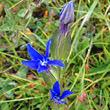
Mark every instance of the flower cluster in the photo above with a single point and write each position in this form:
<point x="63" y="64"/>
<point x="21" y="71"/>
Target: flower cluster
<point x="42" y="63"/>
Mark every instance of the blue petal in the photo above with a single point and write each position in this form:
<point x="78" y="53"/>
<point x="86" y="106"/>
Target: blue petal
<point x="33" y="53"/>
<point x="62" y="102"/>
<point x="48" y="48"/>
<point x="31" y="63"/>
<point x="56" y="63"/>
<point x="42" y="68"/>
<point x="52" y="94"/>
<point x="67" y="15"/>
<point x="63" y="9"/>
<point x="65" y="94"/>
<point x="56" y="88"/>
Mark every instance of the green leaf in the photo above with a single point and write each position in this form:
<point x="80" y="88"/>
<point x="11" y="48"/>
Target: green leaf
<point x="54" y="71"/>
<point x="6" y="86"/>
<point x="24" y="108"/>
<point x="99" y="69"/>
<point x="46" y="1"/>
<point x="17" y="27"/>
<point x="1" y="81"/>
<point x="9" y="18"/>
<point x="61" y="45"/>
<point x="6" y="27"/>
<point x="4" y="106"/>
<point x="65" y="45"/>
<point x="107" y="54"/>
<point x="22" y="72"/>
<point x="49" y="79"/>
<point x="22" y="13"/>
<point x="83" y="44"/>
<point x="39" y="105"/>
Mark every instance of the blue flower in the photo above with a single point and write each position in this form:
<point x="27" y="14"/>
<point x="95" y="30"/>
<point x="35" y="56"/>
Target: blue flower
<point x="40" y="62"/>
<point x="55" y="94"/>
<point x="66" y="17"/>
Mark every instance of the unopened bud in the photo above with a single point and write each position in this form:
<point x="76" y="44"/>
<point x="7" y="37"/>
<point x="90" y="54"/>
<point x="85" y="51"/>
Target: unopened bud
<point x="31" y="85"/>
<point x="80" y="99"/>
<point x="52" y="13"/>
<point x="46" y="13"/>
<point x="43" y="83"/>
<point x="84" y="95"/>
<point x="87" y="67"/>
<point x="66" y="107"/>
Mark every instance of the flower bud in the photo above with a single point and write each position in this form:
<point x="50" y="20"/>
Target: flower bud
<point x="43" y="83"/>
<point x="66" y="107"/>
<point x="66" y="17"/>
<point x="46" y="14"/>
<point x="87" y="67"/>
<point x="52" y="13"/>
<point x="31" y="85"/>
<point x="84" y="95"/>
<point x="80" y="99"/>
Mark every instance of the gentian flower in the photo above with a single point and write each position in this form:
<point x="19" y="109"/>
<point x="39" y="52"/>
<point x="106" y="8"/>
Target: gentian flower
<point x="66" y="17"/>
<point x="55" y="94"/>
<point x="40" y="62"/>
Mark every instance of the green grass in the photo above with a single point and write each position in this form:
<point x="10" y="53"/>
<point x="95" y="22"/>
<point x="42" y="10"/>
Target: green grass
<point x="90" y="46"/>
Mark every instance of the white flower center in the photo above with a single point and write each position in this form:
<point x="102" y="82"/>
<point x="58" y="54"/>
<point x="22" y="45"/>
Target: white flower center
<point x="43" y="63"/>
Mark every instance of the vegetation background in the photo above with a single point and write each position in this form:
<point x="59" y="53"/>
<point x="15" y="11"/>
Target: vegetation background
<point x="88" y="64"/>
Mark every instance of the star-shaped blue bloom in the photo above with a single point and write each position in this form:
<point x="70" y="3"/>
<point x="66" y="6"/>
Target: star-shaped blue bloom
<point x="40" y="62"/>
<point x="55" y="94"/>
<point x="66" y="17"/>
